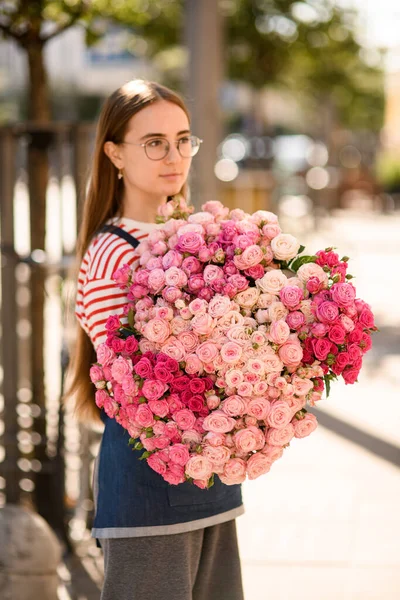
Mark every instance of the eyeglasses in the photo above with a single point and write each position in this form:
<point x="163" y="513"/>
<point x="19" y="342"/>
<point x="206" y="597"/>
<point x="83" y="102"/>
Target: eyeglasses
<point x="159" y="148"/>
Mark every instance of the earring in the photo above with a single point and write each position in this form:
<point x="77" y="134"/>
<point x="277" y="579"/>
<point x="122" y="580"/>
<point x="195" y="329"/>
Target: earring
<point x="120" y="174"/>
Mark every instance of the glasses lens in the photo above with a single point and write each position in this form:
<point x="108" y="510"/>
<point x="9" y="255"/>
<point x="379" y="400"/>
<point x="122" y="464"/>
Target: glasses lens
<point x="157" y="149"/>
<point x="189" y="146"/>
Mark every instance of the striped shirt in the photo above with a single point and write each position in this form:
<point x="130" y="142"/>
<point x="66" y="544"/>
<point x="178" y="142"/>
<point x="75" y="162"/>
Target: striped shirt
<point x="98" y="296"/>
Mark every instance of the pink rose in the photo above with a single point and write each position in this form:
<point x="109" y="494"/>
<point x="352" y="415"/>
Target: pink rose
<point x="218" y="422"/>
<point x="327" y="311"/>
<point x="285" y="246"/>
<point x="290" y="354"/>
<point x="172" y="259"/>
<point x="157" y="464"/>
<point x="153" y="389"/>
<point x="291" y="296"/>
<point x="319" y="330"/>
<point x="343" y="294"/>
<point x="202" y="324"/>
<point x="96" y="374"/>
<point x="233" y="406"/>
<point x="259" y="408"/>
<point x="279" y="332"/>
<point x="251" y="256"/>
<point x="190" y="242"/>
<point x="191" y="265"/>
<point x="144" y="416"/>
<point x="257" y="465"/>
<point x="198" y="467"/>
<point x="184" y="418"/>
<point x="305" y="426"/>
<point x="144" y="368"/>
<point x="105" y="355"/>
<point x="219" y="305"/>
<point x="171" y="294"/>
<point x="280" y="437"/>
<point x="272" y="282"/>
<point x="280" y="414"/>
<point x="249" y="439"/>
<point x="207" y="351"/>
<point x="101" y="396"/>
<point x="174" y="349"/>
<point x="301" y="387"/>
<point x="179" y="454"/>
<point x="295" y="320"/>
<point x="156" y="280"/>
<point x="157" y="331"/>
<point x="321" y="348"/>
<point x="212" y="272"/>
<point x="272" y="452"/>
<point x="120" y="368"/>
<point x="311" y="270"/>
<point x="231" y="352"/>
<point x="193" y="365"/>
<point x="234" y="471"/>
<point x="350" y="375"/>
<point x="366" y="318"/>
<point x="218" y="455"/>
<point x="337" y="333"/>
<point x="113" y="323"/>
<point x="175" y="277"/>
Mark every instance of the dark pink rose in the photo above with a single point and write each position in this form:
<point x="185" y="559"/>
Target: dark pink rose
<point x="239" y="281"/>
<point x="337" y="334"/>
<point x="137" y="291"/>
<point x="255" y="272"/>
<point x="118" y="345"/>
<point x="318" y="384"/>
<point x="321" y="348"/>
<point x="205" y="294"/>
<point x="366" y="318"/>
<point x="314" y="285"/>
<point x="355" y="336"/>
<point x="365" y="343"/>
<point x="174" y="403"/>
<point x="191" y="265"/>
<point x="142" y="277"/>
<point x="332" y="259"/>
<point x="319" y="330"/>
<point x="144" y="368"/>
<point x="197" y="385"/>
<point x="163" y="373"/>
<point x="196" y="283"/>
<point x="342" y="359"/>
<point x="327" y="312"/>
<point x="131" y="345"/>
<point x="153" y="389"/>
<point x="350" y="375"/>
<point x="157" y="464"/>
<point x="340" y="270"/>
<point x="180" y="383"/>
<point x="190" y="242"/>
<point x="322" y="256"/>
<point x="113" y="323"/>
<point x="354" y="352"/>
<point x="196" y="403"/>
<point x="230" y="268"/>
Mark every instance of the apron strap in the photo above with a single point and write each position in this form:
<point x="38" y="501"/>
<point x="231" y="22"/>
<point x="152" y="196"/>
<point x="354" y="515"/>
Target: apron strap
<point x="121" y="233"/>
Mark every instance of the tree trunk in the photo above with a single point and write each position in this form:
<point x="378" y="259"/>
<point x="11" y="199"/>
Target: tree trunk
<point x="48" y="494"/>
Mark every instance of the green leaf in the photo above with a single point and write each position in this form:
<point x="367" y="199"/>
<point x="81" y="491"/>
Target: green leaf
<point x="210" y="482"/>
<point x="131" y="318"/>
<point x="302" y="260"/>
<point x="301" y="249"/>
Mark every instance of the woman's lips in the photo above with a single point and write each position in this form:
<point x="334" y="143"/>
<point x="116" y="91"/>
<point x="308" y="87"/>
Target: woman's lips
<point x="172" y="175"/>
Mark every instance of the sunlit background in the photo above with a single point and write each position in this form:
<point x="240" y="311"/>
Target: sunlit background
<point x="304" y="121"/>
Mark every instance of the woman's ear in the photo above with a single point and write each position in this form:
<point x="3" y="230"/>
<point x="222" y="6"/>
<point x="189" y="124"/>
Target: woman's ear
<point x="114" y="154"/>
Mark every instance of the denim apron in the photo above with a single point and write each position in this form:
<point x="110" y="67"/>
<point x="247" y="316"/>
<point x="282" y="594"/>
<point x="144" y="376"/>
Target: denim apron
<point x="130" y="495"/>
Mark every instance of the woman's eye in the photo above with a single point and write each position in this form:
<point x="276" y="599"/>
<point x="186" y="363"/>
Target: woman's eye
<point x="155" y="143"/>
<point x="184" y="140"/>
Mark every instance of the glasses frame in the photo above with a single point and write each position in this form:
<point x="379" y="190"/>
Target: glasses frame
<point x="144" y="145"/>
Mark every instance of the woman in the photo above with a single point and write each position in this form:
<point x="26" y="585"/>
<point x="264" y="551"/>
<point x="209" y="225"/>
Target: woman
<point x="159" y="541"/>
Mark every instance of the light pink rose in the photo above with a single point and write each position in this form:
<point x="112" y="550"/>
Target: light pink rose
<point x="184" y="418"/>
<point x="233" y="378"/>
<point x="248" y="298"/>
<point x="189" y="340"/>
<point x="218" y="455"/>
<point x="212" y="272"/>
<point x="215" y="439"/>
<point x="259" y="408"/>
<point x="233" y="406"/>
<point x="213" y="402"/>
<point x="174" y="349"/>
<point x="266" y="299"/>
<point x="120" y="368"/>
<point x="105" y="355"/>
<point x="295" y="319"/>
<point x="191" y="437"/>
<point x="219" y="305"/>
<point x="310" y="270"/>
<point x="301" y="386"/>
<point x="174" y="276"/>
<point x="277" y="312"/>
<point x="291" y="296"/>
<point x="279" y="332"/>
<point x="190" y="228"/>
<point x="245" y="389"/>
<point x="199" y="467"/>
<point x="260" y="387"/>
<point x="285" y="246"/>
<point x="179" y="454"/>
<point x="97" y="376"/>
<point x="251" y="256"/>
<point x="157" y="330"/>
<point x="193" y="365"/>
<point x="189" y="242"/>
<point x="207" y="351"/>
<point x="347" y="323"/>
<point x="280" y="437"/>
<point x="291" y="354"/>
<point x="198" y="306"/>
<point x="273" y="363"/>
<point x="272" y="452"/>
<point x="305" y="426"/>
<point x="254" y="367"/>
<point x="231" y="352"/>
<point x="159" y="407"/>
<point x="218" y="422"/>
<point x="172" y="259"/>
<point x="202" y="324"/>
<point x="129" y="385"/>
<point x="249" y="439"/>
<point x="216" y="208"/>
<point x="234" y="471"/>
<point x="280" y="414"/>
<point x="171" y="294"/>
<point x="257" y="465"/>
<point x="271" y="230"/>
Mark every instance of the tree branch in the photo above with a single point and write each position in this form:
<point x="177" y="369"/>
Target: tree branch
<point x="7" y="30"/>
<point x="62" y="28"/>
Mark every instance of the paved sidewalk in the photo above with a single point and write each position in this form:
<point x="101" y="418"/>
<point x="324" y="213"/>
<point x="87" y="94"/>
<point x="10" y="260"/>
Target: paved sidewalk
<point x="324" y="524"/>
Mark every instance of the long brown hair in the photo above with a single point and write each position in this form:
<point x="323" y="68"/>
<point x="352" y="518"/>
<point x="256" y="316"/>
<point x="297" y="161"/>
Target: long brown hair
<point x="103" y="200"/>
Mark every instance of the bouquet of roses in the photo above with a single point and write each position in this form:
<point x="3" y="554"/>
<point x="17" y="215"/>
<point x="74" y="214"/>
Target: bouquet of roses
<point x="230" y="332"/>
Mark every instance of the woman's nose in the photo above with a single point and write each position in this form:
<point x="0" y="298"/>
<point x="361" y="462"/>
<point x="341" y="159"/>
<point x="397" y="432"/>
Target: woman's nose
<point x="173" y="154"/>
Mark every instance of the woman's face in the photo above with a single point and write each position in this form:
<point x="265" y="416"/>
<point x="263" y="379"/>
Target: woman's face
<point x="158" y="178"/>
